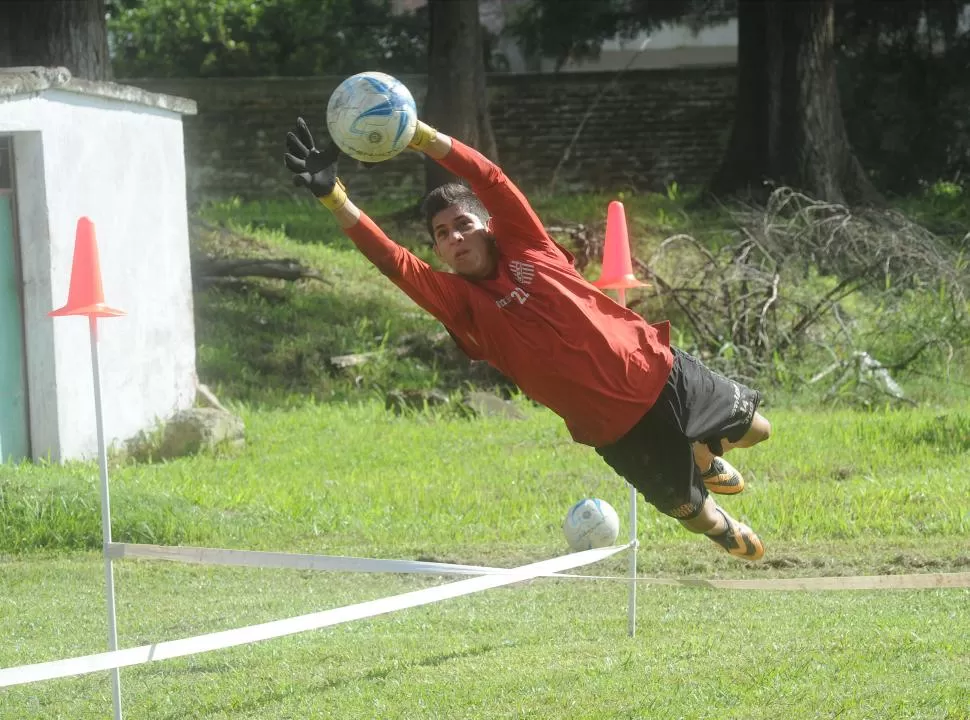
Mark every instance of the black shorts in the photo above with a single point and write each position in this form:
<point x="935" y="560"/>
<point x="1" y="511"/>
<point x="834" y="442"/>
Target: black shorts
<point x="656" y="456"/>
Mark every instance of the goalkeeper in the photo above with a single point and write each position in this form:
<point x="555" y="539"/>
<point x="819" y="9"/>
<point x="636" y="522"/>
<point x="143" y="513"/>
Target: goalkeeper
<point x="656" y="415"/>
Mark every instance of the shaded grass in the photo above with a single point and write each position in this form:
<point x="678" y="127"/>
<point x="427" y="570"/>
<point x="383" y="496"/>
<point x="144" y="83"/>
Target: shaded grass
<point x="268" y="351"/>
<point x="272" y="340"/>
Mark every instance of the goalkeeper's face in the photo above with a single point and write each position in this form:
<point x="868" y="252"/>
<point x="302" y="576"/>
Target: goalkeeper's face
<point x="463" y="242"/>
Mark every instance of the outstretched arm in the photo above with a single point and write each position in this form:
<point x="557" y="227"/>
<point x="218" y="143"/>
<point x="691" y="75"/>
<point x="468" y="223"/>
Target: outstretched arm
<point x="438" y="293"/>
<point x="512" y="215"/>
<point x="436" y="145"/>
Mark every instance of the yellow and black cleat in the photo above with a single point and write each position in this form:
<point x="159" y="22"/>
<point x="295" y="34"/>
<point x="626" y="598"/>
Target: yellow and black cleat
<point x="722" y="478"/>
<point x="739" y="540"/>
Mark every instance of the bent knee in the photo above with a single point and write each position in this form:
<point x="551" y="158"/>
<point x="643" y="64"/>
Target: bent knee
<point x="759" y="431"/>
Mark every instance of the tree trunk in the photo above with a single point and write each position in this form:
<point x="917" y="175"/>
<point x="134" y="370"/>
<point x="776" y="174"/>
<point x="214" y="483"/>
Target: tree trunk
<point x="457" y="103"/>
<point x="789" y="128"/>
<point x="68" y="33"/>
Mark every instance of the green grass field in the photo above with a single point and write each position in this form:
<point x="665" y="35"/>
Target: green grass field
<point x="327" y="470"/>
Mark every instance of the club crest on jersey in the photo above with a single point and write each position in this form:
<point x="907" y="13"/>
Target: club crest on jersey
<point x="523" y="272"/>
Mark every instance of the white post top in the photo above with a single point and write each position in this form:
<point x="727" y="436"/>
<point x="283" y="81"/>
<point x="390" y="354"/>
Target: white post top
<point x="17" y="81"/>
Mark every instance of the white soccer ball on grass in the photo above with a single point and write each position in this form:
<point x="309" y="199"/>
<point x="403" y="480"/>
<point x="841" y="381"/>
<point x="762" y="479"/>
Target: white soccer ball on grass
<point x="591" y="523"/>
<point x="371" y="116"/>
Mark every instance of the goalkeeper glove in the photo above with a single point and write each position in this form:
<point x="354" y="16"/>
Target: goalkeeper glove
<point x="314" y="169"/>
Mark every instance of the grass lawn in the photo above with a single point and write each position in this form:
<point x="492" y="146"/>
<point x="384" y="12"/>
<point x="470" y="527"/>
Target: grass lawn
<point x="494" y="492"/>
<point x="327" y="470"/>
<point x="550" y="649"/>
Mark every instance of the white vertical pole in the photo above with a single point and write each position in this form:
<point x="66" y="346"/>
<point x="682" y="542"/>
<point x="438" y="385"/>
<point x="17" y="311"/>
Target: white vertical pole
<point x="105" y="517"/>
<point x="632" y="610"/>
<point x="632" y="598"/>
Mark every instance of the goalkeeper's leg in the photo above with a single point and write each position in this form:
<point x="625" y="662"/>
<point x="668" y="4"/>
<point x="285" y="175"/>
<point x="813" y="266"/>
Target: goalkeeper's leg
<point x="719" y="475"/>
<point x="735" y="537"/>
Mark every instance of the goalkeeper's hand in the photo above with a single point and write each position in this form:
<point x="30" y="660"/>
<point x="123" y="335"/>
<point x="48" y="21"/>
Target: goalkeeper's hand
<point x="424" y="135"/>
<point x="314" y="169"/>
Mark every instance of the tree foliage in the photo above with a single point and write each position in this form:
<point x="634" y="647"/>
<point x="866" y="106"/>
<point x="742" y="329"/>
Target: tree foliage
<point x="910" y="27"/>
<point x="246" y="38"/>
<point x="576" y="29"/>
<point x="902" y="70"/>
<point x="905" y="89"/>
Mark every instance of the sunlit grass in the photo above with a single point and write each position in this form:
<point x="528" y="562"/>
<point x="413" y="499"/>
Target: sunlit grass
<point x="355" y="478"/>
<point x="547" y="649"/>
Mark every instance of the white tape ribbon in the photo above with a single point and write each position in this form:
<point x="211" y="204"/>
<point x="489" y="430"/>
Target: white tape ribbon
<point x="290" y="561"/>
<point x="279" y="628"/>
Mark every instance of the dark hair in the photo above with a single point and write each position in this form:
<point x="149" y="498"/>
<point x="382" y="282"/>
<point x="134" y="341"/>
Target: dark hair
<point x="448" y="195"/>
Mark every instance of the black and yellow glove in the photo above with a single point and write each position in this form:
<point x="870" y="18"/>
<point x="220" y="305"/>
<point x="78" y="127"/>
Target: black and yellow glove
<point x="314" y="169"/>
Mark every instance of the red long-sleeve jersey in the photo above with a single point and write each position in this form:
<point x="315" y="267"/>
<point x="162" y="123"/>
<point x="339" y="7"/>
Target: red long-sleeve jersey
<point x="562" y="341"/>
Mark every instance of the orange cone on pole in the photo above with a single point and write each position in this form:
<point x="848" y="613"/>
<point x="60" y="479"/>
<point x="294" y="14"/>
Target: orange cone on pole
<point x="86" y="295"/>
<point x="617" y="271"/>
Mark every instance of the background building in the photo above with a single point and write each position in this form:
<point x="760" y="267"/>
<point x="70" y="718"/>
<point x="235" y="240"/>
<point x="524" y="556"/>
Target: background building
<point x="71" y="148"/>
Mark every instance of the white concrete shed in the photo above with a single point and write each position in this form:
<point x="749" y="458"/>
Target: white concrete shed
<point x="71" y="148"/>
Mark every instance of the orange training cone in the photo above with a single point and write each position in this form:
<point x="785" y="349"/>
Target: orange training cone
<point x="617" y="268"/>
<point x="86" y="296"/>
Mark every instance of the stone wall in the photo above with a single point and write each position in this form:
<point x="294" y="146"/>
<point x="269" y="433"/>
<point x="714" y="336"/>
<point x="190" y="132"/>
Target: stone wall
<point x="648" y="128"/>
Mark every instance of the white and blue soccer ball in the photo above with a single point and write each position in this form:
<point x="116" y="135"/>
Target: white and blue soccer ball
<point x="371" y="116"/>
<point x="591" y="523"/>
